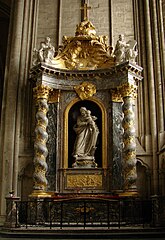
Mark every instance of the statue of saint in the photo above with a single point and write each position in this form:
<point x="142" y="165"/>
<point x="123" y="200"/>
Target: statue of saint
<point x="85" y="143"/>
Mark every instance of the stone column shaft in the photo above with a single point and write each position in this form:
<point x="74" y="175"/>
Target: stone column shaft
<point x="10" y="131"/>
<point x="129" y="151"/>
<point x="157" y="66"/>
<point x="152" y="94"/>
<point x="41" y="94"/>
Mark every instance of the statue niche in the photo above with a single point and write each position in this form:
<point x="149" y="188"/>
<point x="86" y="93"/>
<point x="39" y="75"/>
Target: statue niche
<point x="84" y="135"/>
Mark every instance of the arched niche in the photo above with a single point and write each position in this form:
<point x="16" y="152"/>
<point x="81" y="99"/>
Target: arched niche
<point x="71" y="113"/>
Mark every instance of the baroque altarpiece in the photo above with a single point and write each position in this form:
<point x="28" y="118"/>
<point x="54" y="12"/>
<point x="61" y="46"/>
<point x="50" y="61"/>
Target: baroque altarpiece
<point x="85" y="130"/>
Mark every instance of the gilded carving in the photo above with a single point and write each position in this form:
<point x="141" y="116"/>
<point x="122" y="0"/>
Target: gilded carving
<point x="116" y="95"/>
<point x="83" y="181"/>
<point x="41" y="92"/>
<point x="128" y="90"/>
<point x="85" y="90"/>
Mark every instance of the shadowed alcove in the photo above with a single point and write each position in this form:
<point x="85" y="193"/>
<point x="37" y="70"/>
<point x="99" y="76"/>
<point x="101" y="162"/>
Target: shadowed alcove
<point x="72" y="118"/>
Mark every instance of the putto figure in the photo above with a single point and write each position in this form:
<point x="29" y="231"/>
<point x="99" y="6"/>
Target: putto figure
<point x="85" y="143"/>
<point x="125" y="51"/>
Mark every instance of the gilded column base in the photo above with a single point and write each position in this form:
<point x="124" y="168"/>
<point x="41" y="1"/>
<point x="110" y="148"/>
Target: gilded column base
<point x="129" y="194"/>
<point x="40" y="194"/>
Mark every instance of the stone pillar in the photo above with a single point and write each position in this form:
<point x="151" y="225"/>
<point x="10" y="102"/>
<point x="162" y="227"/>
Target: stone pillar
<point x="41" y="94"/>
<point x="128" y="93"/>
<point x="13" y="139"/>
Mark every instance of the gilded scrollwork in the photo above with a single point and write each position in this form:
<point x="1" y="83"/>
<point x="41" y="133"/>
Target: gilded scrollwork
<point x="84" y="51"/>
<point x="85" y="90"/>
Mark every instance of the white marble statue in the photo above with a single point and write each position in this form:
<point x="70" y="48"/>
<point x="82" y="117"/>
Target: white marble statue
<point x="87" y="133"/>
<point x="125" y="51"/>
<point x="45" y="53"/>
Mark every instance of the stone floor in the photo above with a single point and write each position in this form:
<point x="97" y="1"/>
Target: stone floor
<point x="38" y="233"/>
<point x="137" y="237"/>
<point x="121" y="236"/>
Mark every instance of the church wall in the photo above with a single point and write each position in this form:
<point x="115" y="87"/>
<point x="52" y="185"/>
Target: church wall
<point x="70" y="16"/>
<point x="48" y="20"/>
<point x="13" y="98"/>
<point x="102" y="23"/>
<point x="122" y="19"/>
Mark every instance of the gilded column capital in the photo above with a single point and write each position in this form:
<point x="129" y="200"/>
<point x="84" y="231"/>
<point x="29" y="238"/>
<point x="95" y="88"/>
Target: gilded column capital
<point x="128" y="90"/>
<point x="41" y="92"/>
<point x="85" y="90"/>
<point x="116" y="95"/>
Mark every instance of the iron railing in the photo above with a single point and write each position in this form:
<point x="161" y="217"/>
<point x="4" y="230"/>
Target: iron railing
<point x="83" y="212"/>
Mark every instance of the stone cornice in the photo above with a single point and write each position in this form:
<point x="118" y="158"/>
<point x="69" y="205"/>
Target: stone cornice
<point x="113" y="73"/>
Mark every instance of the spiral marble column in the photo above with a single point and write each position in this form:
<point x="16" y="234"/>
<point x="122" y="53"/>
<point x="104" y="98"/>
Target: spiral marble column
<point x="128" y="93"/>
<point x="41" y="94"/>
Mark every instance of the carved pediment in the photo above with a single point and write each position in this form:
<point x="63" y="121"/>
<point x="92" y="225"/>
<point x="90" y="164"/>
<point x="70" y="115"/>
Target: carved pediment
<point x="84" y="51"/>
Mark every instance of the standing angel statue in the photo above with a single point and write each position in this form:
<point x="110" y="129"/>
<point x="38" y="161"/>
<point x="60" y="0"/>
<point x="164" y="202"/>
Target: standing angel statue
<point x="125" y="51"/>
<point x="45" y="53"/>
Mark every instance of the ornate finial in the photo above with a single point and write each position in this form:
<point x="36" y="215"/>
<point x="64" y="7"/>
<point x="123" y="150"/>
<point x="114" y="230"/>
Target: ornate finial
<point x="85" y="9"/>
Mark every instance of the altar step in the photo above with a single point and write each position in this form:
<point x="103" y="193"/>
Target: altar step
<point x="79" y="233"/>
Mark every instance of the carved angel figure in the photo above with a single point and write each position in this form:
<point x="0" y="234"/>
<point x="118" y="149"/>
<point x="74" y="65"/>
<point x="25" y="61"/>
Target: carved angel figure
<point x="125" y="51"/>
<point x="45" y="53"/>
